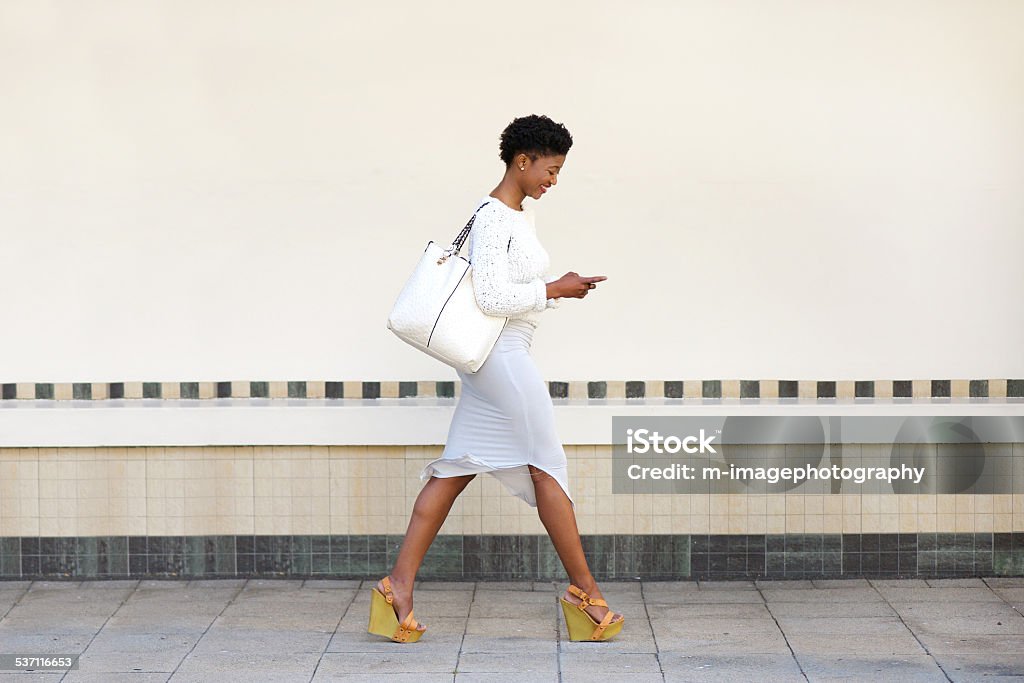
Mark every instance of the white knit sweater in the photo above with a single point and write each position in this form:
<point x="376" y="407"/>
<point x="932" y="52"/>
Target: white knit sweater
<point x="509" y="283"/>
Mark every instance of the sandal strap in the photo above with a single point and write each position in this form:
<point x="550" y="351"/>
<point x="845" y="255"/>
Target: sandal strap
<point x="387" y="590"/>
<point x="406" y="628"/>
<point x="585" y="599"/>
<point x="602" y="626"/>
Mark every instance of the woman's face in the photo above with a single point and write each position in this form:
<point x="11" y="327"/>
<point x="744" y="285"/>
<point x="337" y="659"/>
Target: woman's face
<point x="537" y="176"/>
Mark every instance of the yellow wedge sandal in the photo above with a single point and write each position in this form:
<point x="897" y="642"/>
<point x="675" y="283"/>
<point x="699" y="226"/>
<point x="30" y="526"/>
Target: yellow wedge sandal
<point x="579" y="622"/>
<point x="384" y="621"/>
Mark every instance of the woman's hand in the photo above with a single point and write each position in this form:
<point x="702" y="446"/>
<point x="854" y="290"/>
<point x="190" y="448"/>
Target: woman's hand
<point x="573" y="285"/>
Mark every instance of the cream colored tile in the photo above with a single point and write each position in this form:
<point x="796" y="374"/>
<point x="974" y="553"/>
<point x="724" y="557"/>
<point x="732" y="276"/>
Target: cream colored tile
<point x="846" y="389"/>
<point x="693" y="388"/>
<point x="133" y="390"/>
<point x="578" y="391"/>
<point x="769" y="388"/>
<point x="997" y="388"/>
<point x="807" y="388"/>
<point x="317" y="389"/>
<point x="730" y="388"/>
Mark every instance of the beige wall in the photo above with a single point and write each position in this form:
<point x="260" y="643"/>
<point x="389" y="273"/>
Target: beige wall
<point x="229" y="190"/>
<point x="371" y="489"/>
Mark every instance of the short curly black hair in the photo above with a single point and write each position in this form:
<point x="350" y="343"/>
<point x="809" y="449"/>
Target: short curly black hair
<point x="534" y="135"/>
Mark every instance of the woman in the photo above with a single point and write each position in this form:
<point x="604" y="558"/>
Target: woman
<point x="504" y="421"/>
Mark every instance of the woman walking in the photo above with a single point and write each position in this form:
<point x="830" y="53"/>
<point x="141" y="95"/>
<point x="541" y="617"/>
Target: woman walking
<point x="504" y="420"/>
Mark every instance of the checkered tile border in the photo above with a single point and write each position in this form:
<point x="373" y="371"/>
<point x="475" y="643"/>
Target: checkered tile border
<point x="600" y="389"/>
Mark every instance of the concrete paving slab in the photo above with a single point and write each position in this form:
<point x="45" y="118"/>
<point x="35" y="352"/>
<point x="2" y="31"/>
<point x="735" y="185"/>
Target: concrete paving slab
<point x="163" y="584"/>
<point x="279" y="622"/>
<point x="988" y="666"/>
<point x="903" y="668"/>
<point x="505" y="662"/>
<point x="513" y="607"/>
<point x="610" y="663"/>
<point x="583" y="677"/>
<point x="220" y="666"/>
<point x="30" y="642"/>
<point x="768" y="643"/>
<point x="956" y="610"/>
<point x="39" y="586"/>
<point x="503" y="678"/>
<point x="738" y="610"/>
<point x="829" y="609"/>
<point x="529" y="646"/>
<point x="829" y="644"/>
<point x="243" y="675"/>
<point x="333" y="584"/>
<point x="852" y="626"/>
<point x="951" y="594"/>
<point x="433" y="585"/>
<point x="857" y="595"/>
<point x="79" y="676"/>
<point x="840" y="583"/>
<point x="777" y="584"/>
<point x="396" y="678"/>
<point x="14" y="585"/>
<point x="899" y="583"/>
<point x="956" y="583"/>
<point x="702" y="667"/>
<point x="683" y="630"/>
<point x="983" y="645"/>
<point x="223" y="640"/>
<point x="711" y="626"/>
<point x="994" y="626"/>
<point x="519" y="627"/>
<point x="129" y="653"/>
<point x="424" y="660"/>
<point x="726" y="585"/>
<point x="1014" y="596"/>
<point x="221" y="584"/>
<point x="703" y="597"/>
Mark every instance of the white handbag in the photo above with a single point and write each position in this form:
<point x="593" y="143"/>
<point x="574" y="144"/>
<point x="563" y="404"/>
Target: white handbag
<point x="437" y="312"/>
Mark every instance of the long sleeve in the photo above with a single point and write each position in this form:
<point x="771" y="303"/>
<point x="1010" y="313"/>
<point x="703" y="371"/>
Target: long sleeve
<point x="551" y="303"/>
<point x="496" y="292"/>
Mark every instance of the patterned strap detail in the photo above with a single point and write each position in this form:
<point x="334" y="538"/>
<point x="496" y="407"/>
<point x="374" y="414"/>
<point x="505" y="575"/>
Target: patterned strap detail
<point x="596" y="635"/>
<point x="585" y="599"/>
<point x="406" y="628"/>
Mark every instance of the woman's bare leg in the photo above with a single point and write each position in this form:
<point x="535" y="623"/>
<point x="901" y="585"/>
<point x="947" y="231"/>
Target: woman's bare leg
<point x="557" y="516"/>
<point x="432" y="506"/>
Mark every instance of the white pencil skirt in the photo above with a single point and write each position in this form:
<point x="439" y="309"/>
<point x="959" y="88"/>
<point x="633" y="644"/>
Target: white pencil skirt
<point x="504" y="420"/>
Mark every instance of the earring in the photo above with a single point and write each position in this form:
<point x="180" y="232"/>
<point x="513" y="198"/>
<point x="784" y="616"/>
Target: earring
<point x="522" y="168"/>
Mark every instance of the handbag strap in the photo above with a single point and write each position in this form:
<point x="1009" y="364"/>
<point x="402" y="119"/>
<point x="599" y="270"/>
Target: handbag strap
<point x="464" y="234"/>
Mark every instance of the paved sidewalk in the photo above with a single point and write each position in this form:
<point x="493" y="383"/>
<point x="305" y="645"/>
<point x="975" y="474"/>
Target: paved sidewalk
<point x="238" y="630"/>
